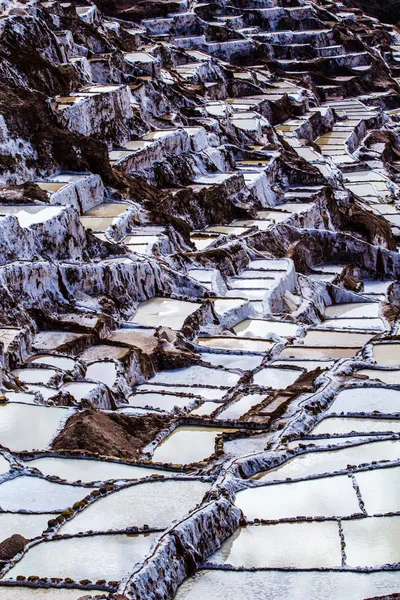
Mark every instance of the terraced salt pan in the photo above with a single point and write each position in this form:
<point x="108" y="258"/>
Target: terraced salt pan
<point x="165" y="402"/>
<point x="205" y="409"/>
<point x="51" y="340"/>
<point x="300" y="545"/>
<point x="313" y="463"/>
<point x="308" y="365"/>
<point x="155" y="504"/>
<point x="207" y="393"/>
<point x="235" y="343"/>
<point x="28" y="427"/>
<point x="278" y="585"/>
<point x="368" y="324"/>
<point x="384" y="532"/>
<point x="104" y="372"/>
<point x="28" y="593"/>
<point x="389" y="377"/>
<point x="80" y="469"/>
<point x="60" y="362"/>
<point x="353" y="310"/>
<point x="368" y="400"/>
<point x="325" y="497"/>
<point x="276" y="378"/>
<point x="232" y="361"/>
<point x="79" y="389"/>
<point x="109" y="557"/>
<point x="380" y="489"/>
<point x="261" y="328"/>
<point x="242" y="406"/>
<point x="387" y="355"/>
<point x="188" y="444"/>
<point x="141" y="338"/>
<point x="37" y="494"/>
<point x="318" y="337"/>
<point x="34" y="375"/>
<point x="339" y="426"/>
<point x="318" y="353"/>
<point x="29" y="526"/>
<point x="4" y="464"/>
<point x="108" y="209"/>
<point x="197" y="375"/>
<point x="165" y="312"/>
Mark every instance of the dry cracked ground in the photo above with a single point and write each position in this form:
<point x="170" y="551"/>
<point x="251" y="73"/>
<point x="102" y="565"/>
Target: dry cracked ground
<point x="199" y="300"/>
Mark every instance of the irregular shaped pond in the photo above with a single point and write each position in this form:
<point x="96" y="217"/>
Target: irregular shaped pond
<point x="28" y="593"/>
<point x="105" y="372"/>
<point x="165" y="312"/>
<point x="242" y="406"/>
<point x="318" y="337"/>
<point x="313" y="463"/>
<point x="156" y="504"/>
<point x="81" y="469"/>
<point x="380" y="490"/>
<point x="165" y="402"/>
<point x="260" y="328"/>
<point x="234" y="343"/>
<point x="188" y="444"/>
<point x="339" y="426"/>
<point x="299" y="545"/>
<point x="109" y="557"/>
<point x="26" y="427"/>
<point x="385" y="549"/>
<point x="325" y="497"/>
<point x="60" y="362"/>
<point x="34" y="375"/>
<point x="353" y="310"/>
<point x="276" y="378"/>
<point x="244" y="362"/>
<point x="37" y="494"/>
<point x="196" y="375"/>
<point x="29" y="526"/>
<point x="389" y="377"/>
<point x="387" y="355"/>
<point x="278" y="585"/>
<point x="368" y="400"/>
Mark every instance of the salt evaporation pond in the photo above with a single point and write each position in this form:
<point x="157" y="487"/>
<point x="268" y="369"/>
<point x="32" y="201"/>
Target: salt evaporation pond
<point x="196" y="375"/>
<point x="29" y="526"/>
<point x="208" y="393"/>
<point x="262" y="328"/>
<point x="353" y="310"/>
<point x="236" y="343"/>
<point x="81" y="469"/>
<point x="37" y="494"/>
<point x="347" y="425"/>
<point x="278" y="585"/>
<point x="242" y="406"/>
<point x="34" y="375"/>
<point x="299" y="545"/>
<point x="244" y="362"/>
<point x="384" y="532"/>
<point x="368" y="400"/>
<point x="109" y="557"/>
<point x="319" y="352"/>
<point x="105" y="372"/>
<point x="4" y="464"/>
<point x="325" y="497"/>
<point x="28" y="593"/>
<point x="166" y="402"/>
<point x="79" y="389"/>
<point x="314" y="463"/>
<point x="387" y="355"/>
<point x="60" y="362"/>
<point x="388" y="377"/>
<point x="380" y="490"/>
<point x="156" y="504"/>
<point x="26" y="427"/>
<point x="360" y="324"/>
<point x="165" y="312"/>
<point x="187" y="444"/>
<point x="344" y="339"/>
<point x="276" y="378"/>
